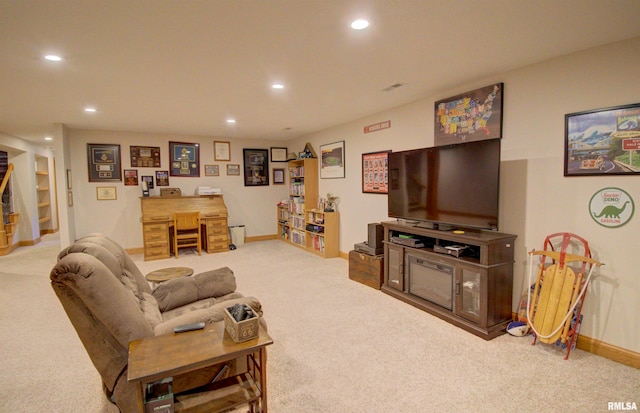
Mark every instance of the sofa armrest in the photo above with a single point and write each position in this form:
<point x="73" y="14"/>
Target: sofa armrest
<point x="208" y="315"/>
<point x="185" y="290"/>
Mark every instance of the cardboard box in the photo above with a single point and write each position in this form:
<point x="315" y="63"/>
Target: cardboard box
<point x="244" y="330"/>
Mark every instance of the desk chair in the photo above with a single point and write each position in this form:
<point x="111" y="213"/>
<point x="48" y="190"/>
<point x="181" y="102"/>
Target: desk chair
<point x="186" y="231"/>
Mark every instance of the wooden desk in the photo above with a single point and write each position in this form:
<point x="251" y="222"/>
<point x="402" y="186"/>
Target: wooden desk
<point x="154" y="358"/>
<point x="157" y="217"/>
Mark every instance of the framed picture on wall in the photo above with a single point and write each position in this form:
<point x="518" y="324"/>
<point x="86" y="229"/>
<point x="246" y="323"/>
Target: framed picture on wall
<point x="211" y="170"/>
<point x="145" y="156"/>
<point x="104" y="162"/>
<point x="131" y="177"/>
<point x="256" y="167"/>
<point x="375" y="172"/>
<point x="106" y="193"/>
<point x="470" y="116"/>
<point x="278" y="176"/>
<point x="162" y="178"/>
<point x="603" y="141"/>
<point x="185" y="159"/>
<point x="278" y="154"/>
<point x="332" y="160"/>
<point x="233" y="169"/>
<point x="149" y="180"/>
<point x="221" y="151"/>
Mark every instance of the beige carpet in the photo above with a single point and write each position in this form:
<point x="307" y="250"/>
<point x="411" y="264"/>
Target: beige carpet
<point x="339" y="346"/>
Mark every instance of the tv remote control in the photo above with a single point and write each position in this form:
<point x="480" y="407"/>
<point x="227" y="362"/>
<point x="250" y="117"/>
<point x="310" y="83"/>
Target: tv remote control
<point x="188" y="327"/>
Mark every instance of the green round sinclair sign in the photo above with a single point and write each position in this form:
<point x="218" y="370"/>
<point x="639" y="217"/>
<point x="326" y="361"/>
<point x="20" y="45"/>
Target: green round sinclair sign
<point x="611" y="207"/>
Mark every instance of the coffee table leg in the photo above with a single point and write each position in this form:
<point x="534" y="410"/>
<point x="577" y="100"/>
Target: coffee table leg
<point x="140" y="396"/>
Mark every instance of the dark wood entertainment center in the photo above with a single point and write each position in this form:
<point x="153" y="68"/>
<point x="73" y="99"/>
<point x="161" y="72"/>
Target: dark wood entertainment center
<point x="419" y="269"/>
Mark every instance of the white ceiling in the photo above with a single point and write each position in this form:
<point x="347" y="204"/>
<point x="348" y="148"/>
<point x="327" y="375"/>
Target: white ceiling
<point x="185" y="66"/>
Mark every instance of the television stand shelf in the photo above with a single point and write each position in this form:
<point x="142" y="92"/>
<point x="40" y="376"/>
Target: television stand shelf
<point x="470" y="287"/>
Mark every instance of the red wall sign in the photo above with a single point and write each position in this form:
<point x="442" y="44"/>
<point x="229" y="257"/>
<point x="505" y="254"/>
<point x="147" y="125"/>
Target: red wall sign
<point x="377" y="126"/>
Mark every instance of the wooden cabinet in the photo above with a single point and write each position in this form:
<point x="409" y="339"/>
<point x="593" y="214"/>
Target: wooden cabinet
<point x="298" y="219"/>
<point x="156" y="240"/>
<point x="217" y="234"/>
<point x="157" y="218"/>
<point x="471" y="290"/>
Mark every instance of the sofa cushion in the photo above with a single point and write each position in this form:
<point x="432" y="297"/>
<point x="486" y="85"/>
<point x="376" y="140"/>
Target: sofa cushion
<point x="181" y="291"/>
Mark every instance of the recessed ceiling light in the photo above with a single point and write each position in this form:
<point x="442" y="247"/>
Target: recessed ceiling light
<point x="359" y="24"/>
<point x="48" y="138"/>
<point x="90" y="109"/>
<point x="53" y="58"/>
<point x="277" y="86"/>
<point x="231" y="121"/>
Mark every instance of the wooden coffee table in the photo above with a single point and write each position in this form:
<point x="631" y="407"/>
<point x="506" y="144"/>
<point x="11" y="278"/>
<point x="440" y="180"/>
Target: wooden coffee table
<point x="155" y="358"/>
<point x="169" y="273"/>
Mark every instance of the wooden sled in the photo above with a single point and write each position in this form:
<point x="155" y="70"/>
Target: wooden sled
<point x="555" y="306"/>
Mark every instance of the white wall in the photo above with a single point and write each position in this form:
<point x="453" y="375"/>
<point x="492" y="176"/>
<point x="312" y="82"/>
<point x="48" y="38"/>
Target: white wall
<point x="254" y="207"/>
<point x="536" y="199"/>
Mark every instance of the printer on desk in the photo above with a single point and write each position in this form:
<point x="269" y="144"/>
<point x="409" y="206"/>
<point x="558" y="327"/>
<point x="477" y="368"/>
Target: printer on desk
<point x="207" y="190"/>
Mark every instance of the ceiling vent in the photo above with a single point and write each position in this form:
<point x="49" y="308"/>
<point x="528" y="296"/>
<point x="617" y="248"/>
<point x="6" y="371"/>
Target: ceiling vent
<point x="392" y="87"/>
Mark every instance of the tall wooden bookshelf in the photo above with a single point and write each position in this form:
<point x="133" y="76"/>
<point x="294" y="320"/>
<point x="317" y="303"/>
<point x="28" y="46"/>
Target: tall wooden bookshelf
<point x="44" y="195"/>
<point x="299" y="220"/>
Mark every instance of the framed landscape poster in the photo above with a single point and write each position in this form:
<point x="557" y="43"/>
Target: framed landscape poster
<point x="256" y="167"/>
<point x="332" y="160"/>
<point x="603" y="142"/>
<point x="104" y="162"/>
<point x="470" y="116"/>
<point x="375" y="172"/>
<point x="185" y="159"/>
<point x="145" y="156"/>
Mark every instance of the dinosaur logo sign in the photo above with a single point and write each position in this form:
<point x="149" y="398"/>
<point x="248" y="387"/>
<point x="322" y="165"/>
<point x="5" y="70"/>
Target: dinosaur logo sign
<point x="611" y="207"/>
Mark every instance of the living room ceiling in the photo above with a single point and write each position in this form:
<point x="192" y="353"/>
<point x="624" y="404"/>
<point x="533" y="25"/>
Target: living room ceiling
<point x="185" y="67"/>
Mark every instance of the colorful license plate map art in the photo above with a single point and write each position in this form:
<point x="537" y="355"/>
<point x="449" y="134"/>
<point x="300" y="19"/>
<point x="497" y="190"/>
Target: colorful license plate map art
<point x="471" y="116"/>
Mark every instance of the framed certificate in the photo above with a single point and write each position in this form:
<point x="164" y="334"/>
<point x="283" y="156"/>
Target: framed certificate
<point x="221" y="151"/>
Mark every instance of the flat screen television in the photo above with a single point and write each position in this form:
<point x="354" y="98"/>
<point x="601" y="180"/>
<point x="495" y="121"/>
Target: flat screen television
<point x="447" y="186"/>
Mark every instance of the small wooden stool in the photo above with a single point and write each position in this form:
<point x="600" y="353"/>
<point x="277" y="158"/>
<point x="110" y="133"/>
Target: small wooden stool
<point x="169" y="273"/>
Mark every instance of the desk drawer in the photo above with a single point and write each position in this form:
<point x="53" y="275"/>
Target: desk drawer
<point x="156" y="253"/>
<point x="217" y="223"/>
<point x="218" y="246"/>
<point x="155" y="227"/>
<point x="217" y="230"/>
<point x="155" y="237"/>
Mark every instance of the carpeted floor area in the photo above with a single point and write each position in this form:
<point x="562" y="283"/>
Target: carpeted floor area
<point x="339" y="346"/>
